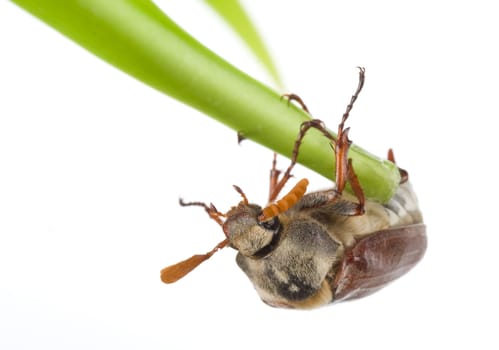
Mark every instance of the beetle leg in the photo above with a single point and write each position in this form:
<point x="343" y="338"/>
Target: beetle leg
<point x="344" y="173"/>
<point x="274" y="177"/>
<point x="341" y="154"/>
<point x="241" y="192"/>
<point x="342" y="144"/>
<point x="404" y="175"/>
<point x="305" y="126"/>
<point x="294" y="97"/>
<point x="344" y="169"/>
<point x="210" y="209"/>
<point x="391" y="156"/>
<point x="357" y="189"/>
<point x="276" y="185"/>
<point x="362" y="79"/>
<point x="240" y="137"/>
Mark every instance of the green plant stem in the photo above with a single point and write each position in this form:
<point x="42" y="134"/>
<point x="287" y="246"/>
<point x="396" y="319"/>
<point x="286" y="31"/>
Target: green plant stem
<point x="138" y="38"/>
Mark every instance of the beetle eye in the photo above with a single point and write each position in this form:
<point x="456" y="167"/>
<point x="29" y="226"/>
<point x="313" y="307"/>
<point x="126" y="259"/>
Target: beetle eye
<point x="272" y="224"/>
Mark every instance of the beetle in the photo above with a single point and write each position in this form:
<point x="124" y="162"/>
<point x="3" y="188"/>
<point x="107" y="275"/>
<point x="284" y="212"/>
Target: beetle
<point x="312" y="249"/>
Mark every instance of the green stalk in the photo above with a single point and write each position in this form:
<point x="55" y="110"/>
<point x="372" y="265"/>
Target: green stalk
<point x="138" y="38"/>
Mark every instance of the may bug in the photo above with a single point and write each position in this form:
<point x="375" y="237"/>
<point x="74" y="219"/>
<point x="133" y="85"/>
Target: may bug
<point x="308" y="250"/>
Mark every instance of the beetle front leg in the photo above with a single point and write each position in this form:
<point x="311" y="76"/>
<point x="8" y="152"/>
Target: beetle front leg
<point x="294" y="97"/>
<point x="305" y="126"/>
<point x="276" y="185"/>
<point x="333" y="198"/>
<point x="344" y="169"/>
<point x="210" y="210"/>
<point x="274" y="178"/>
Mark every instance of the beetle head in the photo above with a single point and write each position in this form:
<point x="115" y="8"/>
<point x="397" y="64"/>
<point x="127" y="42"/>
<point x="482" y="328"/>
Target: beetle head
<point x="249" y="229"/>
<point x="250" y="236"/>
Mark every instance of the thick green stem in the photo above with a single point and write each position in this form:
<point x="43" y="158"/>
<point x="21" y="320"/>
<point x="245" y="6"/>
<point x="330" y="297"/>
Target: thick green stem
<point x="137" y="37"/>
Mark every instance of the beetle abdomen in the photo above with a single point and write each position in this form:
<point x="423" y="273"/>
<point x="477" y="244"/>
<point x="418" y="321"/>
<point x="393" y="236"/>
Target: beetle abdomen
<point x="403" y="208"/>
<point x="379" y="259"/>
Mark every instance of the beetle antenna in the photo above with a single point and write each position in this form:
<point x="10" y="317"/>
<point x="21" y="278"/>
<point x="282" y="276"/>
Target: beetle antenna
<point x="175" y="272"/>
<point x="286" y="202"/>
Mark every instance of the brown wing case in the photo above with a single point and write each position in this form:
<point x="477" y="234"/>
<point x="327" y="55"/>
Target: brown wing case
<point x="378" y="259"/>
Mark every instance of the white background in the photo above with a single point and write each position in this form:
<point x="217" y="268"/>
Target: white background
<point x="92" y="164"/>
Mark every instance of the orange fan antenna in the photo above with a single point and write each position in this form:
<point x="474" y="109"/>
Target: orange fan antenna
<point x="175" y="272"/>
<point x="286" y="202"/>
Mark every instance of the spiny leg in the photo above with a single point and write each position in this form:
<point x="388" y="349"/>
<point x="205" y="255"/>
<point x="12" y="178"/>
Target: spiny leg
<point x="333" y="197"/>
<point x="357" y="190"/>
<point x="305" y="126"/>
<point x="210" y="209"/>
<point x="404" y="175"/>
<point x="362" y="79"/>
<point x="240" y="137"/>
<point x="275" y="185"/>
<point x="344" y="169"/>
<point x="241" y="192"/>
<point x="274" y="177"/>
<point x="294" y="97"/>
<point x="343" y="143"/>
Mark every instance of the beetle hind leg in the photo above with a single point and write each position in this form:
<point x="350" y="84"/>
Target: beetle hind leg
<point x="404" y="175"/>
